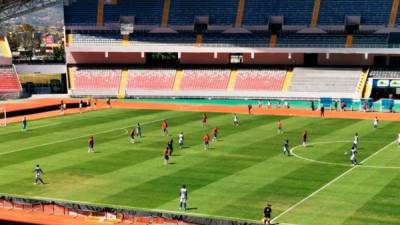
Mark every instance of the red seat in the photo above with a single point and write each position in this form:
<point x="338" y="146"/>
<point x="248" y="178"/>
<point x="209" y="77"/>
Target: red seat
<point x="205" y="79"/>
<point x="9" y="81"/>
<point x="151" y="79"/>
<point x="91" y="79"/>
<point x="260" y="80"/>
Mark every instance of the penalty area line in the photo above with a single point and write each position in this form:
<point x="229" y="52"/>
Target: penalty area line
<point x="331" y="182"/>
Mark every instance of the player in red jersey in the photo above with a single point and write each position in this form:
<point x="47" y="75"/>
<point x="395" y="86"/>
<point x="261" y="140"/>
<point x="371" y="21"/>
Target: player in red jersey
<point x="280" y="127"/>
<point x="206" y="140"/>
<point x="166" y="155"/>
<point x="164" y="127"/>
<point x="132" y="136"/>
<point x="91" y="145"/>
<point x="305" y="134"/>
<point x="215" y="134"/>
<point x="204" y="120"/>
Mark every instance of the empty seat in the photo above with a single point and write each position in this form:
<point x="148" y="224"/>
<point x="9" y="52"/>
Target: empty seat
<point x="183" y="12"/>
<point x="97" y="79"/>
<point x="205" y="79"/>
<point x="9" y="80"/>
<point x="295" y="12"/>
<point x="372" y="12"/>
<point x="260" y="80"/>
<point x="151" y="79"/>
<point x="327" y="80"/>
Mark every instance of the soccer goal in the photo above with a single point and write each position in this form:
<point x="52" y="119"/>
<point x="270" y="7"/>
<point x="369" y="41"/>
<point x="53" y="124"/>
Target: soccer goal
<point x="3" y="117"/>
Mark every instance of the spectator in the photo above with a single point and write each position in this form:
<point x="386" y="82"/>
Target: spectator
<point x="364" y="106"/>
<point x="312" y="106"/>
<point x="342" y="106"/>
<point x="322" y="110"/>
<point x="336" y="105"/>
<point x="249" y="107"/>
<point x="268" y="104"/>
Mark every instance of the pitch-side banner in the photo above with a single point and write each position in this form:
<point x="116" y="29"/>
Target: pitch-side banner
<point x="395" y="83"/>
<point x="383" y="83"/>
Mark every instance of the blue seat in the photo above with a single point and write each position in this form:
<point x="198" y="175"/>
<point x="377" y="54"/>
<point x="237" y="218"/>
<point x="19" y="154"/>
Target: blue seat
<point x="295" y="12"/>
<point x="311" y="40"/>
<point x="81" y="12"/>
<point x="183" y="12"/>
<point x="372" y="12"/>
<point x="145" y="12"/>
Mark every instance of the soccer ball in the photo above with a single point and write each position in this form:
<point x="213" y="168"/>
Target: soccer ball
<point x="345" y="153"/>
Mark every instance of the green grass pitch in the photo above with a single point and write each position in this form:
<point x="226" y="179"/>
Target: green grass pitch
<point x="241" y="172"/>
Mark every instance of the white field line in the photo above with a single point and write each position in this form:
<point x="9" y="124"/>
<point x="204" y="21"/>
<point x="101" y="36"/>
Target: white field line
<point x="74" y="138"/>
<point x="331" y="182"/>
<point x="292" y="151"/>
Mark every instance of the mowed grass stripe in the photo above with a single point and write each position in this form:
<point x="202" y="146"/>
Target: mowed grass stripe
<point x="68" y="130"/>
<point x="189" y="167"/>
<point x="155" y="129"/>
<point x="347" y="182"/>
<point x="383" y="208"/>
<point x="218" y="199"/>
<point x="198" y="168"/>
<point x="67" y="144"/>
<point x="80" y="147"/>
<point x="226" y="181"/>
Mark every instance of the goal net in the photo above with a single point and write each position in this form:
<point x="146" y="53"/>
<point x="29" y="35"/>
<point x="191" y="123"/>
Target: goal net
<point x="3" y="117"/>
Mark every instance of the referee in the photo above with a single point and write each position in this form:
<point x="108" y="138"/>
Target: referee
<point x="267" y="214"/>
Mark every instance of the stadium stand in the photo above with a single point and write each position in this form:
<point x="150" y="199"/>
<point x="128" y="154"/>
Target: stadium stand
<point x="377" y="40"/>
<point x="250" y="39"/>
<point x="205" y="79"/>
<point x="81" y="12"/>
<point x="145" y="12"/>
<point x="183" y="38"/>
<point x="372" y="12"/>
<point x="310" y="40"/>
<point x="109" y="38"/>
<point x="294" y="12"/>
<point x="183" y="12"/>
<point x="331" y="82"/>
<point x="151" y="79"/>
<point x="9" y="80"/>
<point x="99" y="82"/>
<point x="386" y="73"/>
<point x="260" y="80"/>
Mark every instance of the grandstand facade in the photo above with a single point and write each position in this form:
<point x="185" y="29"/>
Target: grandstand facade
<point x="242" y="48"/>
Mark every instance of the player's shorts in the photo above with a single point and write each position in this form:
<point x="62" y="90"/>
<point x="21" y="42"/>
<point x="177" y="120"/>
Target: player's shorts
<point x="180" y="142"/>
<point x="164" y="129"/>
<point x="183" y="200"/>
<point x="90" y="146"/>
<point x="206" y="142"/>
<point x="166" y="157"/>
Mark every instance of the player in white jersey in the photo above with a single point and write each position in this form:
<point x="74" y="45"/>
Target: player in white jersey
<point x="183" y="197"/>
<point x="353" y="159"/>
<point x="376" y="121"/>
<point x="356" y="139"/>
<point x="398" y="140"/>
<point x="38" y="173"/>
<point x="181" y="139"/>
<point x="235" y="120"/>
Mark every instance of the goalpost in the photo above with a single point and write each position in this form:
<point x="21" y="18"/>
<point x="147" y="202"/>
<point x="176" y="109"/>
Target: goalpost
<point x="3" y="117"/>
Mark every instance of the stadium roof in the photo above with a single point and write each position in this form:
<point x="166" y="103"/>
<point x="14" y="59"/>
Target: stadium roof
<point x="13" y="8"/>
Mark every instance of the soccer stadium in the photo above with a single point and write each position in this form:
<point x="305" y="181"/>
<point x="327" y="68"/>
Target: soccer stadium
<point x="189" y="112"/>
